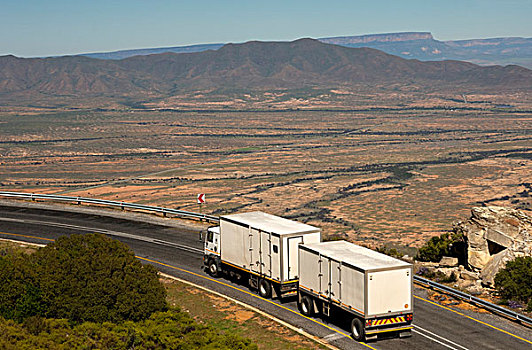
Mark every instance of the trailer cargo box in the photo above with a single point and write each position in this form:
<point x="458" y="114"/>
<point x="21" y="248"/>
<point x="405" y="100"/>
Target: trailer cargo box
<point x="264" y="247"/>
<point x="375" y="288"/>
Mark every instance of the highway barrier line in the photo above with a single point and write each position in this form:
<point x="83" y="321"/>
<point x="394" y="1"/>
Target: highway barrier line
<point x="26" y="236"/>
<point x="474" y="319"/>
<point x="253" y="295"/>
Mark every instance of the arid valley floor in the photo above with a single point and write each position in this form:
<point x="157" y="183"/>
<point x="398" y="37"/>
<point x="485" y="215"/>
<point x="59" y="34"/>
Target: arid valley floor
<point x="393" y="175"/>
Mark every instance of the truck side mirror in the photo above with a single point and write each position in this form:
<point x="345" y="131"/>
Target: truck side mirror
<point x="201" y="236"/>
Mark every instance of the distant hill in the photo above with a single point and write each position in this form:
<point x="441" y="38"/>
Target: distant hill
<point x="423" y="46"/>
<point x="416" y="45"/>
<point x="304" y="63"/>
<point x="118" y="55"/>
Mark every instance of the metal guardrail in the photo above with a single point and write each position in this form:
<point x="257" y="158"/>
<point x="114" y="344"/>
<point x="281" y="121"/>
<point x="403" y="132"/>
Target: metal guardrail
<point x="121" y="205"/>
<point x="477" y="301"/>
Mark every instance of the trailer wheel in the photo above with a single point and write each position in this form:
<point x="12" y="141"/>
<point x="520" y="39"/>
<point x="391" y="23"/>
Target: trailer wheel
<point x="265" y="289"/>
<point x="357" y="329"/>
<point x="213" y="268"/>
<point x="305" y="306"/>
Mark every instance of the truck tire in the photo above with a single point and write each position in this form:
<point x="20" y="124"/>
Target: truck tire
<point x="213" y="268"/>
<point x="265" y="289"/>
<point x="305" y="306"/>
<point x="357" y="329"/>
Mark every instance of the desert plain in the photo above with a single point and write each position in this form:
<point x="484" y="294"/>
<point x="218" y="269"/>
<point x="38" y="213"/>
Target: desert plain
<point x="378" y="173"/>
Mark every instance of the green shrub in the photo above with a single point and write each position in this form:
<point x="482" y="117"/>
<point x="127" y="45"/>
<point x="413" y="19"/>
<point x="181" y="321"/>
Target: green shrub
<point x="80" y="278"/>
<point x="20" y="294"/>
<point x="173" y="329"/>
<point x="438" y="276"/>
<point x="514" y="282"/>
<point x="448" y="244"/>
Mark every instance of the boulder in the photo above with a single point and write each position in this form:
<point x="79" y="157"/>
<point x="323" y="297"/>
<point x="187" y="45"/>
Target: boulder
<point x="448" y="271"/>
<point x="491" y="230"/>
<point x="497" y="262"/>
<point x="475" y="290"/>
<point x="448" y="261"/>
<point x="408" y="258"/>
<point x="463" y="284"/>
<point x="468" y="275"/>
<point x="477" y="259"/>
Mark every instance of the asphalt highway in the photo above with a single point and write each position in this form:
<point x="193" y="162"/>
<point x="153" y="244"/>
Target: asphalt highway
<point x="176" y="250"/>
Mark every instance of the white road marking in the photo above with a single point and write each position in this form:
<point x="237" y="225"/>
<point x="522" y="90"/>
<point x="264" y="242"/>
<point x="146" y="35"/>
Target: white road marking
<point x="438" y="336"/>
<point x="333" y="336"/>
<point x="107" y="232"/>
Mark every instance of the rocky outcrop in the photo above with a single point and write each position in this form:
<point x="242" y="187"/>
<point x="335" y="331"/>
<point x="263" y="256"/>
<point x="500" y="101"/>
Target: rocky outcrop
<point x="495" y="235"/>
<point x="448" y="261"/>
<point x="496" y="262"/>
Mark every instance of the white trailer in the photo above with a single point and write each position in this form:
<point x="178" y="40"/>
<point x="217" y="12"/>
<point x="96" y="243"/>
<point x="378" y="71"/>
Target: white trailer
<point x="260" y="249"/>
<point x="372" y="289"/>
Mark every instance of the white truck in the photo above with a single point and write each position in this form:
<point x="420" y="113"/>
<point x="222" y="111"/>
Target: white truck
<point x="259" y="249"/>
<point x="371" y="289"/>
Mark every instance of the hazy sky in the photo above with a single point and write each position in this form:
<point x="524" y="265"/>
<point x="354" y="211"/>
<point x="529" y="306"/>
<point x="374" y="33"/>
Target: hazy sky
<point x="57" y="27"/>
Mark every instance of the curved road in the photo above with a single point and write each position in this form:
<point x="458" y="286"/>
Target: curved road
<point x="178" y="252"/>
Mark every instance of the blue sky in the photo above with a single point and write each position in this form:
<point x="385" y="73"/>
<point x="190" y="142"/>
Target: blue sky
<point x="56" y="27"/>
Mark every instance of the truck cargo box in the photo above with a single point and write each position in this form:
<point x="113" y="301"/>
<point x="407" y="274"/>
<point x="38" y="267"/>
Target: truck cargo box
<point x="264" y="244"/>
<point x="356" y="279"/>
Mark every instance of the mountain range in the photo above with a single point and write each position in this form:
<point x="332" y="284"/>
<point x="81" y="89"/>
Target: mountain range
<point x="416" y="45"/>
<point x="252" y="66"/>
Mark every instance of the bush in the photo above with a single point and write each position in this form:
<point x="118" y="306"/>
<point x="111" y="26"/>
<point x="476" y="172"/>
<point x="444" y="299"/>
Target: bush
<point x="448" y="244"/>
<point x="173" y="329"/>
<point x="80" y="278"/>
<point x="514" y="282"/>
<point x="20" y="294"/>
<point x="438" y="276"/>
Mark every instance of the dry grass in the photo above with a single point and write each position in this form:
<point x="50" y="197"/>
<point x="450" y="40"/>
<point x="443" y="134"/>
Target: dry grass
<point x="230" y="317"/>
<point x="393" y="176"/>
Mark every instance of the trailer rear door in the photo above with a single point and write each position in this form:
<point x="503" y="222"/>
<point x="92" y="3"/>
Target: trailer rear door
<point x="292" y="252"/>
<point x="389" y="291"/>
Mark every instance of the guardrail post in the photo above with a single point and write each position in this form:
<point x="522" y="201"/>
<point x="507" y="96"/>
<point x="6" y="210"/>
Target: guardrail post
<point x="164" y="213"/>
<point x="79" y="201"/>
<point x="32" y="198"/>
<point x="122" y="205"/>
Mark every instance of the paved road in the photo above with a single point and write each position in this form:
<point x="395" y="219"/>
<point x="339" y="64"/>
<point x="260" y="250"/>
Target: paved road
<point x="178" y="252"/>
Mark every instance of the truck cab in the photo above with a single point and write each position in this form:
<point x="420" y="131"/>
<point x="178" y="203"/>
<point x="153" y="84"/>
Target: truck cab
<point x="211" y="250"/>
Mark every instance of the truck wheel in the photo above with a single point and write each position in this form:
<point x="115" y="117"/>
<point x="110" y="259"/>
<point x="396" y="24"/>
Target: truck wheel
<point x="305" y="306"/>
<point x="265" y="289"/>
<point x="213" y="268"/>
<point x="357" y="329"/>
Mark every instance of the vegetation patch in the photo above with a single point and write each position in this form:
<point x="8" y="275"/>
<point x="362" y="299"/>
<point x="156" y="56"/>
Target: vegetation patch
<point x="90" y="292"/>
<point x="514" y="283"/>
<point x="447" y="244"/>
<point x="80" y="278"/>
<point x="231" y="318"/>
